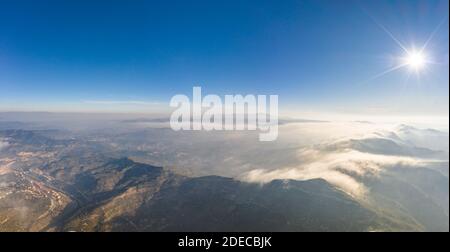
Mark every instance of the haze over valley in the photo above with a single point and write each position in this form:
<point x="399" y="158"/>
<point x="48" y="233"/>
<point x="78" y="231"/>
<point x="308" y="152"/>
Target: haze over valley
<point x="139" y="175"/>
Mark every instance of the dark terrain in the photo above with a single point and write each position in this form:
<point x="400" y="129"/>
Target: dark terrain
<point x="55" y="182"/>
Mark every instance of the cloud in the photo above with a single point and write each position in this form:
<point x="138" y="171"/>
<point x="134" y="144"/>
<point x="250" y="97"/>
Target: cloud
<point x="346" y="163"/>
<point x="343" y="168"/>
<point x="342" y="181"/>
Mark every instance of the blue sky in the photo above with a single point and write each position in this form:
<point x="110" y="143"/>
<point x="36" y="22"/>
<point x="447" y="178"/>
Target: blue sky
<point x="316" y="55"/>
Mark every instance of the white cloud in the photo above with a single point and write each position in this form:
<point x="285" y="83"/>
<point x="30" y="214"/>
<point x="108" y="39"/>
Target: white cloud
<point x="346" y="162"/>
<point x="341" y="168"/>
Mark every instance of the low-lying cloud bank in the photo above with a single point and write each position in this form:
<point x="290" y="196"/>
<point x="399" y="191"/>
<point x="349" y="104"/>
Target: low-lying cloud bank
<point x="346" y="162"/>
<point x="400" y="173"/>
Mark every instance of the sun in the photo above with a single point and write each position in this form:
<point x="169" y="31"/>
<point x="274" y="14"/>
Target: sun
<point x="415" y="60"/>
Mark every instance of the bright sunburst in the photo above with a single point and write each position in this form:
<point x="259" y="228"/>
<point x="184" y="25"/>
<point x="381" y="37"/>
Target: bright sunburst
<point x="415" y="60"/>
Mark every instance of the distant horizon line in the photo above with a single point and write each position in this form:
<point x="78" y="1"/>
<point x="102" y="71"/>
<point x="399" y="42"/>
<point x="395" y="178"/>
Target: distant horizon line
<point x="319" y="116"/>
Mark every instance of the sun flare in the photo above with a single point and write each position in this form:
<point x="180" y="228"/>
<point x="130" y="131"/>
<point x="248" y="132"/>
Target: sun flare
<point x="415" y="60"/>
